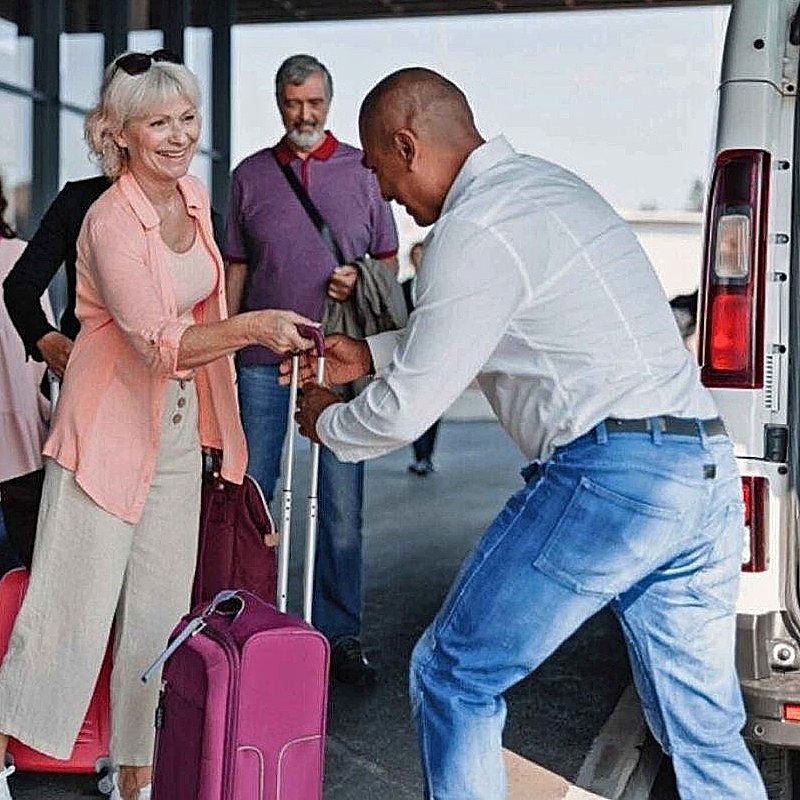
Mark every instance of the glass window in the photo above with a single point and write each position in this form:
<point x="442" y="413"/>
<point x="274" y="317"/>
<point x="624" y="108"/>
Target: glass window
<point x="145" y="40"/>
<point x="74" y="162"/>
<point x="81" y="67"/>
<point x="201" y="168"/>
<point x="197" y="46"/>
<point x="15" y="158"/>
<point x="16" y="55"/>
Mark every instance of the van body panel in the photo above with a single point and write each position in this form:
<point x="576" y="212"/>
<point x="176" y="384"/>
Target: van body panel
<point x="749" y="116"/>
<point x="764" y="21"/>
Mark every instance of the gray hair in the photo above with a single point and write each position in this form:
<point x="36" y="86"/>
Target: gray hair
<point x="123" y="97"/>
<point x="296" y="69"/>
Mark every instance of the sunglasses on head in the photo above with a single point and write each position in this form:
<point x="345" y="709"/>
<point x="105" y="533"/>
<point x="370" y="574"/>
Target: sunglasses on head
<point x="137" y="63"/>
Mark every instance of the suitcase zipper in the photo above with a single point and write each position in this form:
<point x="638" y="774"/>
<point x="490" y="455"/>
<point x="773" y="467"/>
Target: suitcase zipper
<point x="159" y="723"/>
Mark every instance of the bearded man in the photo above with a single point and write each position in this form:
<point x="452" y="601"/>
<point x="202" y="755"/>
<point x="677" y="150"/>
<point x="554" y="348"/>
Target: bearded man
<point x="278" y="258"/>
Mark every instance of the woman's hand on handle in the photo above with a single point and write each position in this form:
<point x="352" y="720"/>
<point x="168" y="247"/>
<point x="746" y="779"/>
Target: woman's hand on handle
<point x="346" y="360"/>
<point x="277" y="330"/>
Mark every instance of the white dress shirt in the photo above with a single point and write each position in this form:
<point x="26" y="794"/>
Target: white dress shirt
<point x="531" y="282"/>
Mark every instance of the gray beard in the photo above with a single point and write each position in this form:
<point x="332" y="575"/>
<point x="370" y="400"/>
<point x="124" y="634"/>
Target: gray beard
<point x="303" y="140"/>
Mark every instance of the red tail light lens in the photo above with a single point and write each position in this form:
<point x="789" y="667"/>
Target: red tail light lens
<point x="732" y="330"/>
<point x="755" y="557"/>
<point x="730" y="314"/>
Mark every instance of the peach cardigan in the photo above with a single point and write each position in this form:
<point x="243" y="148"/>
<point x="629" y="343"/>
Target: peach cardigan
<point x="108" y="418"/>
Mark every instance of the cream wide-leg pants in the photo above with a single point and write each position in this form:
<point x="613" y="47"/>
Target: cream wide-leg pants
<point x="91" y="569"/>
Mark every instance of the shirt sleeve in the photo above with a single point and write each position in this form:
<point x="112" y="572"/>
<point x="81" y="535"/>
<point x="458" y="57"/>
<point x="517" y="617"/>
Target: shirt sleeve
<point x="383" y="236"/>
<point x="234" y="231"/>
<point x="31" y="275"/>
<point x="470" y="286"/>
<point x="115" y="262"/>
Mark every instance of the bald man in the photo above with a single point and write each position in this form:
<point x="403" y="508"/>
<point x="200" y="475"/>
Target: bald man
<point x="532" y="283"/>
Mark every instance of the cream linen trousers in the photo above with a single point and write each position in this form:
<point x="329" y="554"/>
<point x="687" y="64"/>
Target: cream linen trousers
<point x="91" y="569"/>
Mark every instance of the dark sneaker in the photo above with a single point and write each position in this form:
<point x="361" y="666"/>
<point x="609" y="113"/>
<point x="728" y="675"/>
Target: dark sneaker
<point x="349" y="664"/>
<point x="422" y="467"/>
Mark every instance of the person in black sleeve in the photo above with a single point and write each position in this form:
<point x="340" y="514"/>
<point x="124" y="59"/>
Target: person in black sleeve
<point x="51" y="245"/>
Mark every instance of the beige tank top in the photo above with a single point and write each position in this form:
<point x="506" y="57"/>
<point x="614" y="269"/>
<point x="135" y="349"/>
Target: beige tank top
<point x="194" y="275"/>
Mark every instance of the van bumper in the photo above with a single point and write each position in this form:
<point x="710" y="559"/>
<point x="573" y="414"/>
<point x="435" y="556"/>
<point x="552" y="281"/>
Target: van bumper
<point x="767" y="685"/>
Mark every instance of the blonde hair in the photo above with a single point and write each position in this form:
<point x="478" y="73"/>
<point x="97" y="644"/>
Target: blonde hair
<point x="123" y="97"/>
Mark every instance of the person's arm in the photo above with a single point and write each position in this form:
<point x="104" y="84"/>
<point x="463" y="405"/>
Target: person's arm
<point x="202" y="343"/>
<point x="29" y="279"/>
<point x="114" y="258"/>
<point x="467" y="300"/>
<point x="235" y="281"/>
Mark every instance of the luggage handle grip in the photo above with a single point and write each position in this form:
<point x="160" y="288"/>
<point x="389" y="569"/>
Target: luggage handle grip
<point x="316" y="335"/>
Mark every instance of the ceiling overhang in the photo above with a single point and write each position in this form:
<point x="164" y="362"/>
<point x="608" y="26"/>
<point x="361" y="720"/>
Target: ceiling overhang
<point x="254" y="11"/>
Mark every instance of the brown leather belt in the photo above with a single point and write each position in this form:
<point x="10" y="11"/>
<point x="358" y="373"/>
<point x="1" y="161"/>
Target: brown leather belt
<point x="669" y="426"/>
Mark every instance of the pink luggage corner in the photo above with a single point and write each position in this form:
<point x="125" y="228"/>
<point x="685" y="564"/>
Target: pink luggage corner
<point x="90" y="754"/>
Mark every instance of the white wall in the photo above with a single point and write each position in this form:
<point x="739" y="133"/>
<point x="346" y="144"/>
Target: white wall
<point x="673" y="241"/>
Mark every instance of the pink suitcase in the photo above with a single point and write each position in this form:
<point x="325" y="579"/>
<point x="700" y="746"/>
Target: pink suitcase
<point x="245" y="686"/>
<point x="90" y="754"/>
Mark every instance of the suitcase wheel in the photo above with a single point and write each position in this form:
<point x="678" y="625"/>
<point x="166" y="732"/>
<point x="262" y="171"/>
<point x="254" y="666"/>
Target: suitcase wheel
<point x="105" y="785"/>
<point x="105" y="775"/>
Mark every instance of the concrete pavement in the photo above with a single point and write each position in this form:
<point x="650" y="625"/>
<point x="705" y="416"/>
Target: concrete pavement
<point x="417" y="531"/>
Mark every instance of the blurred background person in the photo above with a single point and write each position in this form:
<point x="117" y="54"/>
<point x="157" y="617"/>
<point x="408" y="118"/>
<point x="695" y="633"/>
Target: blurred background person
<point x="684" y="309"/>
<point x="423" y="447"/>
<point x="23" y="419"/>
<point x="278" y="258"/>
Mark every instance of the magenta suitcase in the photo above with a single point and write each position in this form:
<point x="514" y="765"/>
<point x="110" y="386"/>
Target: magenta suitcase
<point x="245" y="686"/>
<point x="243" y="706"/>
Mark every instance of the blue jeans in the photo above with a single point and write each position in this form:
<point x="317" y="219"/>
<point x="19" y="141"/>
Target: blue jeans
<point x="649" y="523"/>
<point x="264" y="407"/>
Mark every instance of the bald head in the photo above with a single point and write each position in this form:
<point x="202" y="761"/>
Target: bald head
<point x="417" y="131"/>
<point x="421" y="100"/>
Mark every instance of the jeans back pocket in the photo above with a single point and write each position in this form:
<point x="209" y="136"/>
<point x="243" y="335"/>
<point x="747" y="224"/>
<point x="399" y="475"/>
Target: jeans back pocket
<point x="605" y="542"/>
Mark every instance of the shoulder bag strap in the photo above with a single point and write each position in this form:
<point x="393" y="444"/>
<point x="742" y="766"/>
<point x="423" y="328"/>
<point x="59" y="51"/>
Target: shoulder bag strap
<point x="312" y="211"/>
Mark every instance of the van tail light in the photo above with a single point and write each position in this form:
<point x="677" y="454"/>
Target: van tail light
<point x="734" y="271"/>
<point x="755" y="556"/>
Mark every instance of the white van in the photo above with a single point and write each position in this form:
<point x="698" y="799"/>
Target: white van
<point x="749" y="351"/>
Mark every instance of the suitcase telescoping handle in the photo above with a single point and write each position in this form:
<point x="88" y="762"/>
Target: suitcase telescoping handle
<point x="286" y="492"/>
<point x="223" y="598"/>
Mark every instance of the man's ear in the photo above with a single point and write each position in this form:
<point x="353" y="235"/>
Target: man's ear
<point x="405" y="145"/>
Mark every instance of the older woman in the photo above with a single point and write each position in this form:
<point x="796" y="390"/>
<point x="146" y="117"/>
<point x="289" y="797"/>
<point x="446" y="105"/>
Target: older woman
<point x="148" y="382"/>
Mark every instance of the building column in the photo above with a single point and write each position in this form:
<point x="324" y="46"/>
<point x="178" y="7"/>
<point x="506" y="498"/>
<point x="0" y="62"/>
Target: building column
<point x="47" y="22"/>
<point x="221" y="19"/>
<point x="115" y="28"/>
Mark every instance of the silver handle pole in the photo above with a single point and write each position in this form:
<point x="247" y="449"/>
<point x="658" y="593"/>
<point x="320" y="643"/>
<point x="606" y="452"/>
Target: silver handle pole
<point x="311" y="522"/>
<point x="286" y="492"/>
<point x="55" y="388"/>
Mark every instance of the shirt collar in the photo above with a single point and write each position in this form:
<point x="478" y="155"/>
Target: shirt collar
<point x="143" y="208"/>
<point x="480" y="160"/>
<point x="286" y="155"/>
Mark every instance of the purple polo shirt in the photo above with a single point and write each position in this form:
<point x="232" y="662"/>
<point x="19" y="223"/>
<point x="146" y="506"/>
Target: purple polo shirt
<point x="289" y="264"/>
